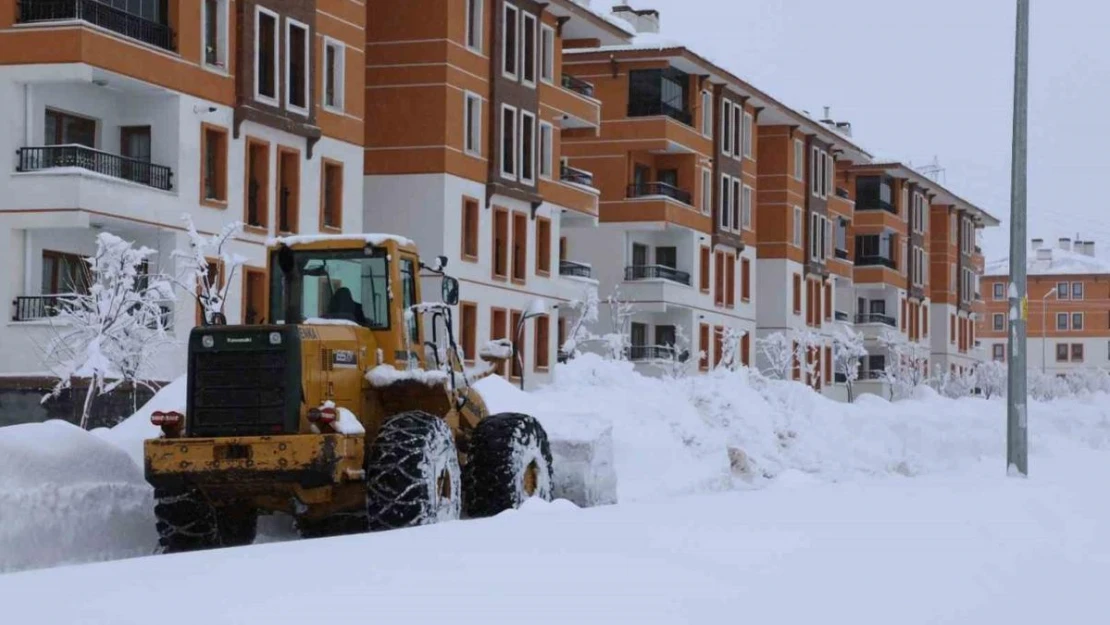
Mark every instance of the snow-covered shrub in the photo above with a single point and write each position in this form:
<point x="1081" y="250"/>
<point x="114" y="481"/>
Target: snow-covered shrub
<point x="955" y="385"/>
<point x="209" y="285"/>
<point x="731" y="344"/>
<point x="777" y="353"/>
<point x="990" y="379"/>
<point x="1045" y="386"/>
<point x="906" y="364"/>
<point x="848" y="350"/>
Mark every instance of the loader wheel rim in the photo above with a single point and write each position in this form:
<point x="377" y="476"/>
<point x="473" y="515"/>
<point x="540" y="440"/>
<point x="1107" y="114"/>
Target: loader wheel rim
<point x="531" y="479"/>
<point x="443" y="485"/>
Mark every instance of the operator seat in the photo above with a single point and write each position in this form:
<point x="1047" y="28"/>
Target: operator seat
<point x="344" y="306"/>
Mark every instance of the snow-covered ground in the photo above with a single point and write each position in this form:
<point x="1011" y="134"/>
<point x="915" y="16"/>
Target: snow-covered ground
<point x="969" y="547"/>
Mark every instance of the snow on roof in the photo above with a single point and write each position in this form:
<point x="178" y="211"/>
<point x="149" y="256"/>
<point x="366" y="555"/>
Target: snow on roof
<point x="1060" y="262"/>
<point x="619" y="22"/>
<point x="369" y="238"/>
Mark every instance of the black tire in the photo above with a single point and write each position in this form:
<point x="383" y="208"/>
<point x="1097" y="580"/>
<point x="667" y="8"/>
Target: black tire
<point x="186" y="521"/>
<point x="412" y="474"/>
<point x="509" y="463"/>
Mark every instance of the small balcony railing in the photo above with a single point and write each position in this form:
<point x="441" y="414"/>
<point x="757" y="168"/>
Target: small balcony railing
<point x="874" y="261"/>
<point x="875" y="205"/>
<point x="874" y="318"/>
<point x="35" y="307"/>
<point x="575" y="175"/>
<point x="99" y="14"/>
<point x="648" y="108"/>
<point x="134" y="170"/>
<point x="639" y="353"/>
<point x="659" y="188"/>
<point x="840" y="315"/>
<point x="841" y="254"/>
<point x="577" y="270"/>
<point x="656" y="272"/>
<point x="578" y="85"/>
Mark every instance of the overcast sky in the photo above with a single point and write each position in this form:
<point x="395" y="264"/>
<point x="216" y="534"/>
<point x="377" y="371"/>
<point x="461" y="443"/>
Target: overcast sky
<point x="920" y="80"/>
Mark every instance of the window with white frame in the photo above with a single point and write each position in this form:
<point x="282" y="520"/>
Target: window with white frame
<point x="924" y="267"/>
<point x="829" y="169"/>
<point x="706" y="191"/>
<point x="1061" y="321"/>
<point x="726" y="208"/>
<point x="335" y="53"/>
<point x="815" y="242"/>
<point x="953" y="278"/>
<point x="737" y="130"/>
<point x="904" y="208"/>
<point x="527" y="147"/>
<point x="474" y="22"/>
<point x="798" y="224"/>
<point x="472" y="117"/>
<point x="747" y="208"/>
<point x="999" y="322"/>
<point x="737" y="196"/>
<point x="547" y="150"/>
<point x="528" y="48"/>
<point x="826" y="226"/>
<point x="215" y="33"/>
<point x="1077" y="321"/>
<point x="953" y="227"/>
<point x="297" y="66"/>
<point x="799" y="159"/>
<point x="707" y="113"/>
<point x="726" y="126"/>
<point x="748" y="135"/>
<point x="1077" y="290"/>
<point x="815" y="180"/>
<point x="508" y="142"/>
<point x="510" y="41"/>
<point x="547" y="53"/>
<point x="265" y="55"/>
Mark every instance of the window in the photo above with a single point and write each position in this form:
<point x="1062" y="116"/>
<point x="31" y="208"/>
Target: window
<point x="1077" y="352"/>
<point x="726" y="209"/>
<point x="499" y="329"/>
<point x="527" y="147"/>
<point x="543" y="246"/>
<point x="215" y="275"/>
<point x="1061" y="321"/>
<point x="508" y="141"/>
<point x="706" y="191"/>
<point x="707" y="113"/>
<point x="214" y="166"/>
<point x="63" y="128"/>
<point x="543" y="340"/>
<point x="736" y="201"/>
<point x="748" y="135"/>
<point x="547" y="53"/>
<point x="830" y="168"/>
<point x="659" y="92"/>
<point x="842" y="235"/>
<point x="1077" y="290"/>
<point x="666" y="256"/>
<point x="703" y="269"/>
<point x="528" y="50"/>
<point x="514" y="323"/>
<point x="999" y="290"/>
<point x="746" y="349"/>
<point x="951" y="328"/>
<point x="815" y="177"/>
<point x="704" y="348"/>
<point x="726" y="126"/>
<point x="1077" y="321"/>
<point x="474" y="24"/>
<point x="254" y="296"/>
<point x="547" y="155"/>
<point x="745" y="279"/>
<point x="332" y="195"/>
<point x="64" y="273"/>
<point x="999" y="322"/>
<point x="797" y="294"/>
<point x="798" y="226"/>
<point x="737" y="129"/>
<point x="265" y="55"/>
<point x="718" y="344"/>
<point x="799" y="159"/>
<point x="510" y="53"/>
<point x="719" y="279"/>
<point x="472" y="117"/>
<point x="730" y="281"/>
<point x="1061" y="352"/>
<point x="335" y="55"/>
<point x="826" y="229"/>
<point x="520" y="247"/>
<point x="468" y="330"/>
<point x="470" y="219"/>
<point x="1062" y="290"/>
<point x="215" y="33"/>
<point x="258" y="184"/>
<point x="815" y="242"/>
<point x="999" y="352"/>
<point x="747" y="210"/>
<point x="500" y="243"/>
<point x="828" y="301"/>
<point x="288" y="189"/>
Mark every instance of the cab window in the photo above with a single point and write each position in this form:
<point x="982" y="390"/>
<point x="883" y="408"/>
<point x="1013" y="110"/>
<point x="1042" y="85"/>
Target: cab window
<point x="408" y="287"/>
<point x="348" y="286"/>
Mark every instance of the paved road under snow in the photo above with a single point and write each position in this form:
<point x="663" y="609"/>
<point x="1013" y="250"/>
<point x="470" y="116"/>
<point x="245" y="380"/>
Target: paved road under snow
<point x="973" y="548"/>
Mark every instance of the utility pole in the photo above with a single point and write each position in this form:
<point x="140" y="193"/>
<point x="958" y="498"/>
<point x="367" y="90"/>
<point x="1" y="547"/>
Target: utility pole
<point x="1017" y="450"/>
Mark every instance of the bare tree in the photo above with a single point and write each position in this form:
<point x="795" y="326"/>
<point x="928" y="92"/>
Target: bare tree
<point x="807" y="351"/>
<point x="731" y="344"/>
<point x="209" y="285"/>
<point x="777" y="352"/>
<point x="906" y="364"/>
<point x="620" y="317"/>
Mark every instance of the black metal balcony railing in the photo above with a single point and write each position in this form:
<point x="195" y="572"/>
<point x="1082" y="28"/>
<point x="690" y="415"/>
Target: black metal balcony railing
<point x="840" y="315"/>
<point x="875" y="318"/>
<point x="872" y="375"/>
<point x="114" y="165"/>
<point x="841" y="254"/>
<point x="647" y="108"/>
<point x="656" y="272"/>
<point x="571" y="268"/>
<point x="100" y="14"/>
<point x="578" y="85"/>
<point x="875" y="205"/>
<point x="31" y="308"/>
<point x="656" y="352"/>
<point x="575" y="175"/>
<point x="874" y="261"/>
<point x="659" y="188"/>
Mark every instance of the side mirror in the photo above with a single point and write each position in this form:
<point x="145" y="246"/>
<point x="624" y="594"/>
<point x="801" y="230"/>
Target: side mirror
<point x="442" y="262"/>
<point x="450" y="291"/>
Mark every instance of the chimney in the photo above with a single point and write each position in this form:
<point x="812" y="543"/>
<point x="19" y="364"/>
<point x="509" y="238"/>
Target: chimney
<point x="1065" y="244"/>
<point x="1044" y="253"/>
<point x="845" y="128"/>
<point x="1038" y="244"/>
<point x="1089" y="248"/>
<point x="643" y="20"/>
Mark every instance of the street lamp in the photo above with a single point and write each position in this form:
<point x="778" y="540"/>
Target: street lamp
<point x="1044" y="327"/>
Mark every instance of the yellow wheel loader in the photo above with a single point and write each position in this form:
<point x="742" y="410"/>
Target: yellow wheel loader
<point x="352" y="411"/>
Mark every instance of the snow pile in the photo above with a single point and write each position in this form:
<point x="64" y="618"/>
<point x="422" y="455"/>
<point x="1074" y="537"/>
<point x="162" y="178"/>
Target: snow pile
<point x="498" y="349"/>
<point x="386" y="375"/>
<point x="132" y="431"/>
<point x="67" y="496"/>
<point x="378" y="239"/>
<point x="348" y="423"/>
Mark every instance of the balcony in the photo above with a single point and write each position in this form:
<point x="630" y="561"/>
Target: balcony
<point x="36" y="307"/>
<point x="44" y="158"/>
<point x="875" y="261"/>
<point x="99" y="14"/>
<point x="577" y="85"/>
<point x="647" y="189"/>
<point x="576" y="176"/>
<point x="656" y="272"/>
<point x="640" y="353"/>
<point x="574" y="269"/>
<point x="874" y="318"/>
<point x="872" y="204"/>
<point x="648" y="108"/>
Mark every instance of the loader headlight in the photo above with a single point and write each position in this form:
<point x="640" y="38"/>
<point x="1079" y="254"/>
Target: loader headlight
<point x="208" y="341"/>
<point x="275" y="338"/>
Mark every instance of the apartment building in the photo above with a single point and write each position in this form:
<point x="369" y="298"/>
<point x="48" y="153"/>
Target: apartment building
<point x="123" y="116"/>
<point x="1068" y="323"/>
<point x="468" y="107"/>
